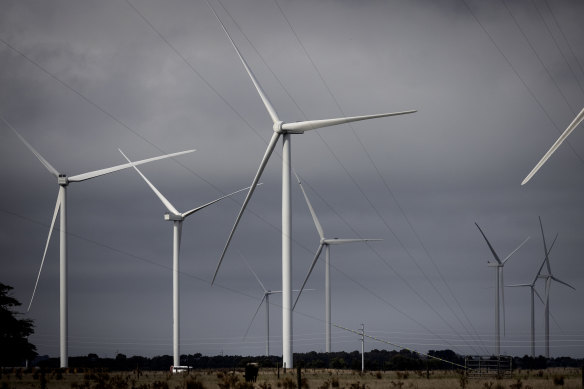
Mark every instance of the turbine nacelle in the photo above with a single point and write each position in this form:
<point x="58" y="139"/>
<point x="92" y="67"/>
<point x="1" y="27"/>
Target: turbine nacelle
<point x="173" y="217"/>
<point x="279" y="128"/>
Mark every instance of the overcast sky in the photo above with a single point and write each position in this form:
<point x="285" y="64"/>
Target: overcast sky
<point x="494" y="83"/>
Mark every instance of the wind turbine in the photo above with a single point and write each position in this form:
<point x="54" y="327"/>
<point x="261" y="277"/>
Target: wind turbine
<point x="548" y="283"/>
<point x="577" y="120"/>
<point x="500" y="288"/>
<point x="177" y="219"/>
<point x="64" y="181"/>
<point x="324" y="243"/>
<point x="266" y="298"/>
<point x="533" y="294"/>
<point x="285" y="130"/>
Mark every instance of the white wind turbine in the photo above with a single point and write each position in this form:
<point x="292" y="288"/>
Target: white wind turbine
<point x="577" y="120"/>
<point x="63" y="181"/>
<point x="500" y="289"/>
<point x="284" y="129"/>
<point x="266" y="298"/>
<point x="177" y="219"/>
<point x="533" y="294"/>
<point x="324" y="243"/>
<point x="548" y="283"/>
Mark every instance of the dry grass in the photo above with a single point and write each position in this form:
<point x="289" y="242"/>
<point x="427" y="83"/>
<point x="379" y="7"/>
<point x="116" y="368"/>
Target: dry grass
<point x="268" y="379"/>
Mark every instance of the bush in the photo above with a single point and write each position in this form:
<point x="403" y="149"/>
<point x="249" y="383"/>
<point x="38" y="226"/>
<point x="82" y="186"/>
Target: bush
<point x="160" y="385"/>
<point x="517" y="385"/>
<point x="288" y="383"/>
<point x="558" y="380"/>
<point x="193" y="383"/>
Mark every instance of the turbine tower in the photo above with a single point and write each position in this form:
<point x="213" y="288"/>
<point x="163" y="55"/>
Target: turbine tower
<point x="285" y="130"/>
<point x="177" y="219"/>
<point x="549" y="277"/>
<point x="63" y="181"/>
<point x="499" y="290"/>
<point x="324" y="243"/>
<point x="557" y="144"/>
<point x="533" y="294"/>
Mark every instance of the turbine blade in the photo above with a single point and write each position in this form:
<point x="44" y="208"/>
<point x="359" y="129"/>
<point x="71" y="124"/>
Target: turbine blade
<point x="489" y="244"/>
<point x="57" y="207"/>
<point x="562" y="282"/>
<point x="254" y="315"/>
<point x="315" y="124"/>
<point x="557" y="144"/>
<point x="97" y="173"/>
<point x="342" y="241"/>
<point x="257" y="85"/>
<point x="513" y="252"/>
<point x="254" y="273"/>
<point x="314" y="217"/>
<point x="545" y="250"/>
<point x="309" y="272"/>
<point x="187" y="213"/>
<point x="164" y="200"/>
<point x="252" y="187"/>
<point x="45" y="163"/>
<point x="544" y="260"/>
<point x="538" y="296"/>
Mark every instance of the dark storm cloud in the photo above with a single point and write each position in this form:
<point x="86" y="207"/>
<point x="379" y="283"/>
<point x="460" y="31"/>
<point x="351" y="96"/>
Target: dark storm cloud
<point x="488" y="110"/>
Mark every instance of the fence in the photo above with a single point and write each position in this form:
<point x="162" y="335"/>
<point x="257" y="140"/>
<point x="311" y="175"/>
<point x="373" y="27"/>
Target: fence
<point x="481" y="366"/>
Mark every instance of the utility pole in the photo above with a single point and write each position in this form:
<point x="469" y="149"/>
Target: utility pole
<point x="362" y="347"/>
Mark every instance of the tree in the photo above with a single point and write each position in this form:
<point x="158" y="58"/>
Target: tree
<point x="15" y="348"/>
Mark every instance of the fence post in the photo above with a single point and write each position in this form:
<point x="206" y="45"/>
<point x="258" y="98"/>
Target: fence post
<point x="299" y="377"/>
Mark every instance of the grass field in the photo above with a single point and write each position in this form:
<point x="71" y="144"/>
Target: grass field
<point x="268" y="378"/>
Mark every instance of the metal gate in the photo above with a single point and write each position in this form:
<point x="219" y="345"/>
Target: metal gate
<point x="488" y="366"/>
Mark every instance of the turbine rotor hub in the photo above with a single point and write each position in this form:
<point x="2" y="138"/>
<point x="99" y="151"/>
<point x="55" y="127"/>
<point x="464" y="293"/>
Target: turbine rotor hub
<point x="62" y="180"/>
<point x="277" y="127"/>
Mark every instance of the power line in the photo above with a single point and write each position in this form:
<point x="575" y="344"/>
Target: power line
<point x="400" y="346"/>
<point x="565" y="38"/>
<point x="385" y="183"/>
<point x="538" y="57"/>
<point x="531" y="93"/>
<point x="151" y="25"/>
<point x="557" y="45"/>
<point x="207" y="282"/>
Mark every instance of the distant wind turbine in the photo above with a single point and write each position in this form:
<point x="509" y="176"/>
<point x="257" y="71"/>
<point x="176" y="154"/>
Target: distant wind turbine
<point x="324" y="243"/>
<point x="63" y="181"/>
<point x="266" y="299"/>
<point x="499" y="290"/>
<point x="577" y="120"/>
<point x="548" y="283"/>
<point x="177" y="219"/>
<point x="285" y="130"/>
<point x="533" y="294"/>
